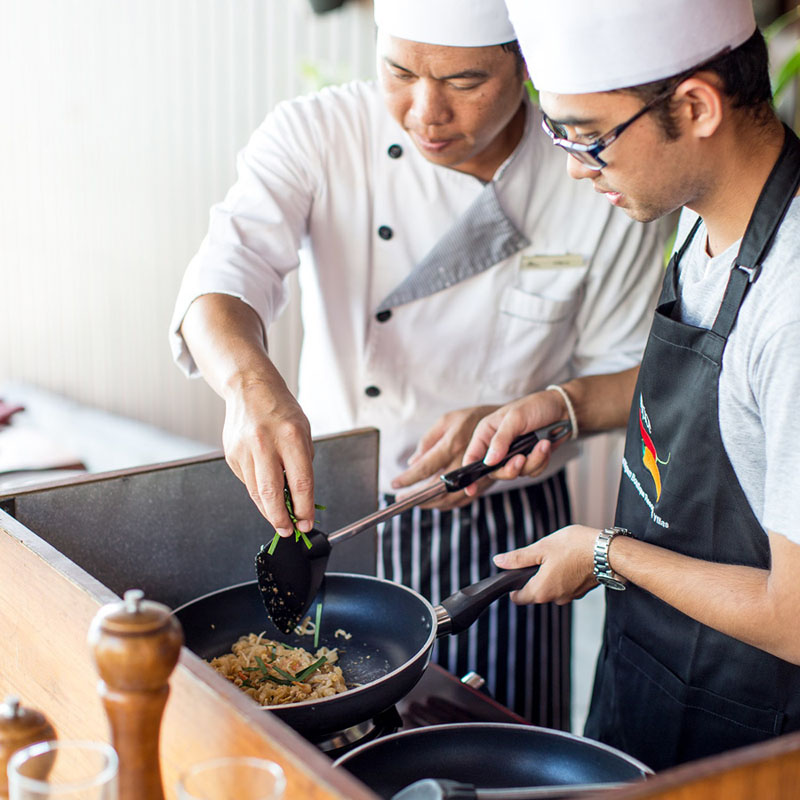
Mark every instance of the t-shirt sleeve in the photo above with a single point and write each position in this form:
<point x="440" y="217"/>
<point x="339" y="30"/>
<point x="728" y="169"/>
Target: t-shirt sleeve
<point x="777" y="387"/>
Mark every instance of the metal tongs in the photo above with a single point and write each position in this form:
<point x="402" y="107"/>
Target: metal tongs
<point x="290" y="578"/>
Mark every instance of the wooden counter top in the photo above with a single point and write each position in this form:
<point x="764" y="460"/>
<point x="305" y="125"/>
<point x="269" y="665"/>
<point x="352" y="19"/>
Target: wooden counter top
<point x="46" y="606"/>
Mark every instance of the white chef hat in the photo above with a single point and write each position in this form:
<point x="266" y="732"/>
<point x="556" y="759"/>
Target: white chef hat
<point x="455" y="23"/>
<point x="579" y="46"/>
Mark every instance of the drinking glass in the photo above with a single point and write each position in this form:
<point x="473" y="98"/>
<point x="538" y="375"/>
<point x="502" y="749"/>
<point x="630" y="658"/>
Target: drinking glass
<point x="68" y="770"/>
<point x="240" y="777"/>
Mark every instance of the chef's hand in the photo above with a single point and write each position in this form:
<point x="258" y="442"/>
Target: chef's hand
<point x="442" y="449"/>
<point x="494" y="434"/>
<point x="566" y="571"/>
<point x="266" y="434"/>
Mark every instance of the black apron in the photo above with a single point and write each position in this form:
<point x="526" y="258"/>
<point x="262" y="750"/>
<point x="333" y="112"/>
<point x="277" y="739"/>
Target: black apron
<point x="669" y="689"/>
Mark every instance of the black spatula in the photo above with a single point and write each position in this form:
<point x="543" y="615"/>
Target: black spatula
<point x="291" y="576"/>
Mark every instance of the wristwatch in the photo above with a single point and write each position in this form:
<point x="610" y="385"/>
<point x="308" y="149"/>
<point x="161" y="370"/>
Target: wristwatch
<point x="602" y="569"/>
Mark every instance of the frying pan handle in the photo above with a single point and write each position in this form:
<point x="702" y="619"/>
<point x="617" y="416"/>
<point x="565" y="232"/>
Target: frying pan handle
<point x="457" y="612"/>
<point x="460" y="478"/>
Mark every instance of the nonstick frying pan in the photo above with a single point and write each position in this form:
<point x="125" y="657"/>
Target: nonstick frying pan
<point x="290" y="577"/>
<point x="392" y="630"/>
<point x="488" y="756"/>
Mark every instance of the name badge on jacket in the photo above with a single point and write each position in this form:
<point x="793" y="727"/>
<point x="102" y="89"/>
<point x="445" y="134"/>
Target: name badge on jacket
<point x="560" y="261"/>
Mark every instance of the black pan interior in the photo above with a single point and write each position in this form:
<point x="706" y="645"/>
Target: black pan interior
<point x="488" y="755"/>
<point x="388" y="624"/>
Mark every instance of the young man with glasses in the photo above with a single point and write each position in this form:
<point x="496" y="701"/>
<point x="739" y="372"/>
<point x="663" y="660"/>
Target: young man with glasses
<point x="663" y="105"/>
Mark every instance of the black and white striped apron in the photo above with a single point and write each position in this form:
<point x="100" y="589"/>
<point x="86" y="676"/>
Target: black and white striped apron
<point x="523" y="652"/>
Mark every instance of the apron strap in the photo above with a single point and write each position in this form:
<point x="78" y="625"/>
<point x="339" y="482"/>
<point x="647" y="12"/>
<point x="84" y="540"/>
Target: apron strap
<point x="771" y="208"/>
<point x="670" y="291"/>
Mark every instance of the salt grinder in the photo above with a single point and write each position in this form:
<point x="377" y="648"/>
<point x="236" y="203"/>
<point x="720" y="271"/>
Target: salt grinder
<point x="136" y="644"/>
<point x="19" y="727"/>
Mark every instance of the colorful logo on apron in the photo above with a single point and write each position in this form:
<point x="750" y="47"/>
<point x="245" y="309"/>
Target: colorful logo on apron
<point x="649" y="454"/>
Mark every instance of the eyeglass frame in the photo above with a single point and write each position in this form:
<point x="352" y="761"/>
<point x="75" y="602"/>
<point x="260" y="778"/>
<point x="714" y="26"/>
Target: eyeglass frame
<point x="581" y="151"/>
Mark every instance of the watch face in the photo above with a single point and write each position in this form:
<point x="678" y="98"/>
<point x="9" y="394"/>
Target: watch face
<point x="611" y="583"/>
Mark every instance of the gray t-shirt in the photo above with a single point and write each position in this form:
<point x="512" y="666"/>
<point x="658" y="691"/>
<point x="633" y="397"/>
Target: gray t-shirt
<point x="760" y="379"/>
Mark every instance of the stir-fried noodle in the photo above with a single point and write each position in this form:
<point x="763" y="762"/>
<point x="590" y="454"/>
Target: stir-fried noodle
<point x="273" y="673"/>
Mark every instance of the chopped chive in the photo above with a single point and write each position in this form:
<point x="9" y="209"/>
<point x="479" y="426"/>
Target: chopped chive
<point x="285" y="679"/>
<point x="316" y="625"/>
<point x="310" y="670"/>
<point x="284" y="674"/>
<point x="279" y="681"/>
<point x="298" y="534"/>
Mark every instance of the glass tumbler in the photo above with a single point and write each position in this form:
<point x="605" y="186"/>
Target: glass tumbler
<point x="239" y="777"/>
<point x="69" y="770"/>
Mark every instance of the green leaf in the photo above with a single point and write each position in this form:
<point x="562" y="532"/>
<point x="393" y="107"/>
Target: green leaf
<point x="780" y="23"/>
<point x="273" y="544"/>
<point x="787" y="73"/>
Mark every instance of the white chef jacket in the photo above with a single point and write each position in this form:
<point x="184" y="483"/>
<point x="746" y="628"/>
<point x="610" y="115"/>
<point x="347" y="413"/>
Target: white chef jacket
<point x="569" y="291"/>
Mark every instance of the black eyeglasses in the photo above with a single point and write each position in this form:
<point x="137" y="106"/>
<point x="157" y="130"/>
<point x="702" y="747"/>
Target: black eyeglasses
<point x="589" y="154"/>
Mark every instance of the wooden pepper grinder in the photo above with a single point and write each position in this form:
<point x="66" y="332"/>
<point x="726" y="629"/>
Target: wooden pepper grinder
<point x="136" y="644"/>
<point x="19" y="727"/>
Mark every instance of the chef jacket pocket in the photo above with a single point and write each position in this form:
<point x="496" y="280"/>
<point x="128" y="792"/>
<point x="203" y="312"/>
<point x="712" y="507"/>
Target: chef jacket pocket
<point x="677" y="722"/>
<point x="532" y="341"/>
<point x="535" y="308"/>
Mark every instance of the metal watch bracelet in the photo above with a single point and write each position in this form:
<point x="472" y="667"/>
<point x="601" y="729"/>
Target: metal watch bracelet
<point x="602" y="569"/>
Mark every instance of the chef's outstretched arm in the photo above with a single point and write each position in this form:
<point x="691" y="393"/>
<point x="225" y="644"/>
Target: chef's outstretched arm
<point x="265" y="431"/>
<point x="600" y="403"/>
<point x="757" y="606"/>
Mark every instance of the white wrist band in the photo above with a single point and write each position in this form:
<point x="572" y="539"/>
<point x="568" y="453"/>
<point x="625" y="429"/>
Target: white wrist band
<point x="573" y="421"/>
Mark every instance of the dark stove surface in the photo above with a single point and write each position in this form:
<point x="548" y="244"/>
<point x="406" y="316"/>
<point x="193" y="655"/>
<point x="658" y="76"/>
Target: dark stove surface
<point x="438" y="698"/>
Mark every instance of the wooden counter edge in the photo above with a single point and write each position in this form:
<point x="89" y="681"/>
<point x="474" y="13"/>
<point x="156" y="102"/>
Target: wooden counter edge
<point x="46" y="605"/>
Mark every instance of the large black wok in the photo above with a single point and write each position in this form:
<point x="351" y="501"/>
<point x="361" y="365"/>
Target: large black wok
<point x="392" y="632"/>
<point x="488" y="756"/>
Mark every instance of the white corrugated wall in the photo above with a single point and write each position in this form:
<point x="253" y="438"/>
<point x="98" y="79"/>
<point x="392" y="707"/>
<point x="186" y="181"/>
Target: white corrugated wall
<point x="119" y="125"/>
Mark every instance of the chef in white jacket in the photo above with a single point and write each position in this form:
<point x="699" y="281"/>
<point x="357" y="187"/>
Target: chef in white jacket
<point x="452" y="267"/>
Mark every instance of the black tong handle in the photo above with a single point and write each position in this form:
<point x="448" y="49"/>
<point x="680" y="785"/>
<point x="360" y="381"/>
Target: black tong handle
<point x="460" y="478"/>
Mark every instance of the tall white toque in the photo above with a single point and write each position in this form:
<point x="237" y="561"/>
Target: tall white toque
<point x="454" y="23"/>
<point x="581" y="46"/>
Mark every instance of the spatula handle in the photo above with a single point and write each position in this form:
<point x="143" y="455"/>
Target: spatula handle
<point x="462" y="477"/>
